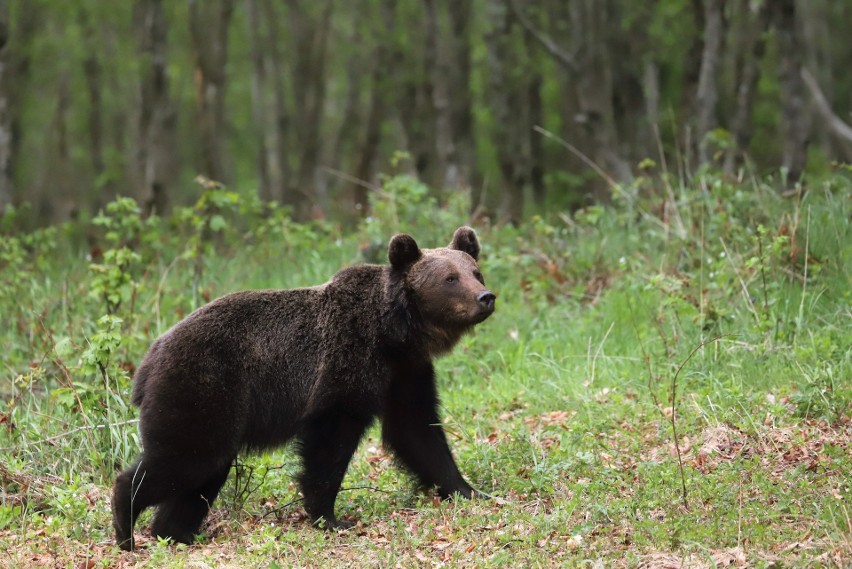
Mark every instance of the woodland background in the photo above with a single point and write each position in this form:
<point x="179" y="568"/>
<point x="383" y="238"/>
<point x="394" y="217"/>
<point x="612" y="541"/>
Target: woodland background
<point x="527" y="104"/>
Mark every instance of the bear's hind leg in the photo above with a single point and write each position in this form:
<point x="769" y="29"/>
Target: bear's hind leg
<point x="327" y="443"/>
<point x="134" y="491"/>
<point x="180" y="517"/>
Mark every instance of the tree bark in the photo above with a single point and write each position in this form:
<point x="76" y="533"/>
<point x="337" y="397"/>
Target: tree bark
<point x="438" y="68"/>
<point x="279" y="127"/>
<point x="707" y="94"/>
<point x="208" y="26"/>
<point x="794" y="116"/>
<point x="594" y="83"/>
<point x="754" y="47"/>
<point x="311" y="44"/>
<point x="157" y="115"/>
<point x="506" y="106"/>
<point x="461" y="163"/>
<point x="536" y="118"/>
<point x="5" y="116"/>
<point x="93" y="72"/>
<point x="369" y="146"/>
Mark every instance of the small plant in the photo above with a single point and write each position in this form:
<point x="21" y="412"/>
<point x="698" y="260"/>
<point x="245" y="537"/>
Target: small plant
<point x="208" y="223"/>
<point x="114" y="279"/>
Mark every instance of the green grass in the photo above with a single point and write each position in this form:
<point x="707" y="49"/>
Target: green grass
<point x="560" y="405"/>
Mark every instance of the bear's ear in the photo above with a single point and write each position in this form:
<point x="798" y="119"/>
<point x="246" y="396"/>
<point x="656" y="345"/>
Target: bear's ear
<point x="403" y="251"/>
<point x="465" y="239"/>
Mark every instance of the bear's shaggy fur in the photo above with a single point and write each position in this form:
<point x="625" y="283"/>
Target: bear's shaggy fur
<point x="253" y="370"/>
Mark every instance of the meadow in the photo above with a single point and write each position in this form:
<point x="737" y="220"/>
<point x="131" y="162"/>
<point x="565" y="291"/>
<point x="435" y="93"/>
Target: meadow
<point x="665" y="382"/>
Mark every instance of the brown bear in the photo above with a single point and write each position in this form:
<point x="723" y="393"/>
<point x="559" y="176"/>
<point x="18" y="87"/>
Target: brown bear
<point x="255" y="369"/>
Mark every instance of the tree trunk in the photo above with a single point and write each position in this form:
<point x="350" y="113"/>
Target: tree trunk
<point x="651" y="94"/>
<point x="5" y="116"/>
<point x="93" y="72"/>
<point x="208" y="26"/>
<point x="753" y="49"/>
<point x="369" y="146"/>
<point x="461" y="163"/>
<point x="536" y="118"/>
<point x="264" y="127"/>
<point x="707" y="94"/>
<point x="157" y="120"/>
<point x="415" y="61"/>
<point x="279" y="126"/>
<point x="438" y="68"/>
<point x="15" y="71"/>
<point x="372" y="137"/>
<point x="311" y="44"/>
<point x="794" y="116"/>
<point x="590" y="25"/>
<point x="506" y="106"/>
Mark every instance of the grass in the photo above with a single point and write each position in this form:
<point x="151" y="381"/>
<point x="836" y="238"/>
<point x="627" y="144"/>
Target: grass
<point x="613" y="327"/>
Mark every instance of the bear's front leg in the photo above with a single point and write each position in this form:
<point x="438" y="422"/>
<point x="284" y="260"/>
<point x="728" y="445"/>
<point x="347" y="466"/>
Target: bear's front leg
<point x="327" y="442"/>
<point x="411" y="429"/>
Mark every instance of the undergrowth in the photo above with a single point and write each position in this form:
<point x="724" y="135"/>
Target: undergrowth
<point x="666" y="380"/>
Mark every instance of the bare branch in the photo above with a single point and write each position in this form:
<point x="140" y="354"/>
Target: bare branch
<point x="837" y="125"/>
<point x="554" y="49"/>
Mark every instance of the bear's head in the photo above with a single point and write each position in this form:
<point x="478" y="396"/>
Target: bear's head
<point x="438" y="294"/>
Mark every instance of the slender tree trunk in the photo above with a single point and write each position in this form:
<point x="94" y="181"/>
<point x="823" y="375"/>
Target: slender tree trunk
<point x="15" y="72"/>
<point x="208" y="25"/>
<point x="438" y="67"/>
<point x="536" y="118"/>
<point x="506" y="106"/>
<point x="311" y="44"/>
<point x="795" y="121"/>
<point x="754" y="47"/>
<point x="707" y="94"/>
<point x="5" y="117"/>
<point x="260" y="106"/>
<point x="157" y="120"/>
<point x="372" y="137"/>
<point x="347" y="136"/>
<point x="93" y="72"/>
<point x="590" y="27"/>
<point x="461" y="163"/>
<point x="379" y="98"/>
<point x="414" y="92"/>
<point x="651" y="94"/>
<point x="280" y="127"/>
<point x="55" y="201"/>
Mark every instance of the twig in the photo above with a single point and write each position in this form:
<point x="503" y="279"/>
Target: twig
<point x="351" y="179"/>
<point x="556" y="51"/>
<point x="674" y="407"/>
<point x="579" y="154"/>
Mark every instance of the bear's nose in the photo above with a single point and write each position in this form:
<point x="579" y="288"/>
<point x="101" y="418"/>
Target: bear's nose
<point x="486" y="299"/>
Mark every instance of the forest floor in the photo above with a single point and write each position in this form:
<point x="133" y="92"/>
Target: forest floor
<point x="666" y="389"/>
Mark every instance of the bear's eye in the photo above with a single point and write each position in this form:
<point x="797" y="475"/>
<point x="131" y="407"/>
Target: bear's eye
<point x="478" y="276"/>
<point x="452" y="278"/>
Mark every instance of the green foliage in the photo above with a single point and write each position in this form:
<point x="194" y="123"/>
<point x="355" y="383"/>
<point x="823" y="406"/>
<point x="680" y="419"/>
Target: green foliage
<point x="406" y="204"/>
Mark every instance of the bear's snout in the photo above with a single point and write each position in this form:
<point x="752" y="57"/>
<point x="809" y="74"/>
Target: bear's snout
<point x="486" y="300"/>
